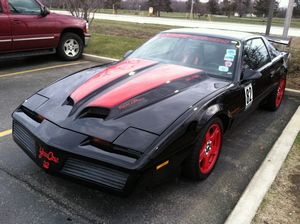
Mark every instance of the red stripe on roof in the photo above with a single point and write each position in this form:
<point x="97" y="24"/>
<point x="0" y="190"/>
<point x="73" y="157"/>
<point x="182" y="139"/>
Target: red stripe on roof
<point x="142" y="83"/>
<point x="108" y="75"/>
<point x="195" y="37"/>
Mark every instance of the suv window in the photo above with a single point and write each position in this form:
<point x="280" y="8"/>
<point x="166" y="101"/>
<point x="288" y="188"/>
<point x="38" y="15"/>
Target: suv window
<point x="1" y="10"/>
<point x="255" y="54"/>
<point x="27" y="7"/>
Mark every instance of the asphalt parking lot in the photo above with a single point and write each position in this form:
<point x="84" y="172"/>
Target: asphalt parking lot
<point x="29" y="195"/>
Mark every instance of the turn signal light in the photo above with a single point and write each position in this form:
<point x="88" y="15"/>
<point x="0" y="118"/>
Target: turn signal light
<point x="162" y="165"/>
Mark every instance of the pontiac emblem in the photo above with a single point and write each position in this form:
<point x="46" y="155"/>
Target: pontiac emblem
<point x="48" y="157"/>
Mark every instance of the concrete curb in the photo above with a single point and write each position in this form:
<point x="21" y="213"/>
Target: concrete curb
<point x="95" y="58"/>
<point x="253" y="195"/>
<point x="292" y="92"/>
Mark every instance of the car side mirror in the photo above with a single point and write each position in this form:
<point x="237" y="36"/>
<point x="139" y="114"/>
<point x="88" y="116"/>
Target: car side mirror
<point x="45" y="11"/>
<point x="127" y="53"/>
<point x="249" y="74"/>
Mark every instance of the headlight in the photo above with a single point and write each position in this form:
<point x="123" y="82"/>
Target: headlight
<point x="135" y="139"/>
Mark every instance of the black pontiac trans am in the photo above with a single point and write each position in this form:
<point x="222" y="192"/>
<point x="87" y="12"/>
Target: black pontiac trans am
<point x="162" y="109"/>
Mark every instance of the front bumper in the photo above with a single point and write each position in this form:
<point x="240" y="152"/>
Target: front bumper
<point x="87" y="38"/>
<point x="59" y="151"/>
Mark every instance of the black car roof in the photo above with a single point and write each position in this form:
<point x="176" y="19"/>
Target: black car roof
<point x="233" y="35"/>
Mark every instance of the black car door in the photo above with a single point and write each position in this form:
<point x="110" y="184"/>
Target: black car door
<point x="249" y="93"/>
<point x="256" y="57"/>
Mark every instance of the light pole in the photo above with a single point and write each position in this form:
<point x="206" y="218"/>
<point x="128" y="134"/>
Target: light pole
<point x="192" y="9"/>
<point x="288" y="17"/>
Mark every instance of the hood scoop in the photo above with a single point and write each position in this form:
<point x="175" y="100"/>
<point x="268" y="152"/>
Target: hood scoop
<point x="94" y="112"/>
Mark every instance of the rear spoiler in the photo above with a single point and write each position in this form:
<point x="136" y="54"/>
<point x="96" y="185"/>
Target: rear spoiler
<point x="279" y="41"/>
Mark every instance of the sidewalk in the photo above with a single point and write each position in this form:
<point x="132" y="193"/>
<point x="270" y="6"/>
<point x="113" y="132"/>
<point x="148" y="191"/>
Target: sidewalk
<point x="276" y="30"/>
<point x="282" y="202"/>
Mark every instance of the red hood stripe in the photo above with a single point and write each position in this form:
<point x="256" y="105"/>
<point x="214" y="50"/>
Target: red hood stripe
<point x="142" y="83"/>
<point x="108" y="75"/>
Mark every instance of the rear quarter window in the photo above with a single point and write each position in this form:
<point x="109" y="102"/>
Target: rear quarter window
<point x="272" y="50"/>
<point x="255" y="54"/>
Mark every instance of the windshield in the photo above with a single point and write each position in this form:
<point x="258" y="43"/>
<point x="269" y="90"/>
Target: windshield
<point x="216" y="56"/>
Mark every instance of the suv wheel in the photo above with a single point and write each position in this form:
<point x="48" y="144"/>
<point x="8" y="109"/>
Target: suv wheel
<point x="70" y="47"/>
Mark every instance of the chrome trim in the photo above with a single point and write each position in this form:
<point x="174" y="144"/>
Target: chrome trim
<point x="276" y="58"/>
<point x="6" y="40"/>
<point x="86" y="40"/>
<point x="33" y="38"/>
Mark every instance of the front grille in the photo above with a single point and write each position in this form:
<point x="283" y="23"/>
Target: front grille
<point x="95" y="173"/>
<point x="23" y="137"/>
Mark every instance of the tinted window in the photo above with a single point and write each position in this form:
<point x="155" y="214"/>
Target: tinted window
<point x="1" y="10"/>
<point x="24" y="7"/>
<point x="255" y="54"/>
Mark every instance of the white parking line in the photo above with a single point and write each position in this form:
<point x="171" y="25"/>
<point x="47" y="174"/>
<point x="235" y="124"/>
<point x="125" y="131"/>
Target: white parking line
<point x="41" y="69"/>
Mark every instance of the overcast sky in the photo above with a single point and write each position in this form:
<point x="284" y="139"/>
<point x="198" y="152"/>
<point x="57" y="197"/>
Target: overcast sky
<point x="283" y="3"/>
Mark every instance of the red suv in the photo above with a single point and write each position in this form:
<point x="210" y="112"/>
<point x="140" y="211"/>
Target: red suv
<point x="28" y="28"/>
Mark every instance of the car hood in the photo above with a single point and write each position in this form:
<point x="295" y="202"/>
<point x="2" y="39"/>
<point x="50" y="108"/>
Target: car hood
<point x="66" y="18"/>
<point x="105" y="101"/>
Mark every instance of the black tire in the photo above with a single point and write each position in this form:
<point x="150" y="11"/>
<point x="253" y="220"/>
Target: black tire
<point x="191" y="165"/>
<point x="72" y="53"/>
<point x="271" y="102"/>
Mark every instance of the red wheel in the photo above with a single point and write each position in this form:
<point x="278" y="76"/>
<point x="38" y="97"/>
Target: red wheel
<point x="280" y="92"/>
<point x="273" y="101"/>
<point x="210" y="149"/>
<point x="205" y="153"/>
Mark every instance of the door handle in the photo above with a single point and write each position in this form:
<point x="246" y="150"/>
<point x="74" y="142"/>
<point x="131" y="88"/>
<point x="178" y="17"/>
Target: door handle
<point x="17" y="21"/>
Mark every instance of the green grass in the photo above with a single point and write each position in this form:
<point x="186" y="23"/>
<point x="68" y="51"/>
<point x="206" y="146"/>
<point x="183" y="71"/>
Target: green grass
<point x="112" y="46"/>
<point x="113" y="39"/>
<point x="297" y="142"/>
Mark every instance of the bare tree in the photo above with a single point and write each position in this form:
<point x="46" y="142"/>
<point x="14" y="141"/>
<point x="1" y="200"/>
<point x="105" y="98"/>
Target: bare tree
<point x="213" y="6"/>
<point x="261" y="7"/>
<point x="160" y="5"/>
<point x="84" y="9"/>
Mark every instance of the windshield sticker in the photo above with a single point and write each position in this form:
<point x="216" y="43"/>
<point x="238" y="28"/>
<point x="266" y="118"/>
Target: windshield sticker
<point x="248" y="96"/>
<point x="231" y="52"/>
<point x="229" y="57"/>
<point x="228" y="63"/>
<point x="223" y="69"/>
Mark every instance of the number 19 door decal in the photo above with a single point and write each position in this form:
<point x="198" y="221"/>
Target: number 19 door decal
<point x="248" y="96"/>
